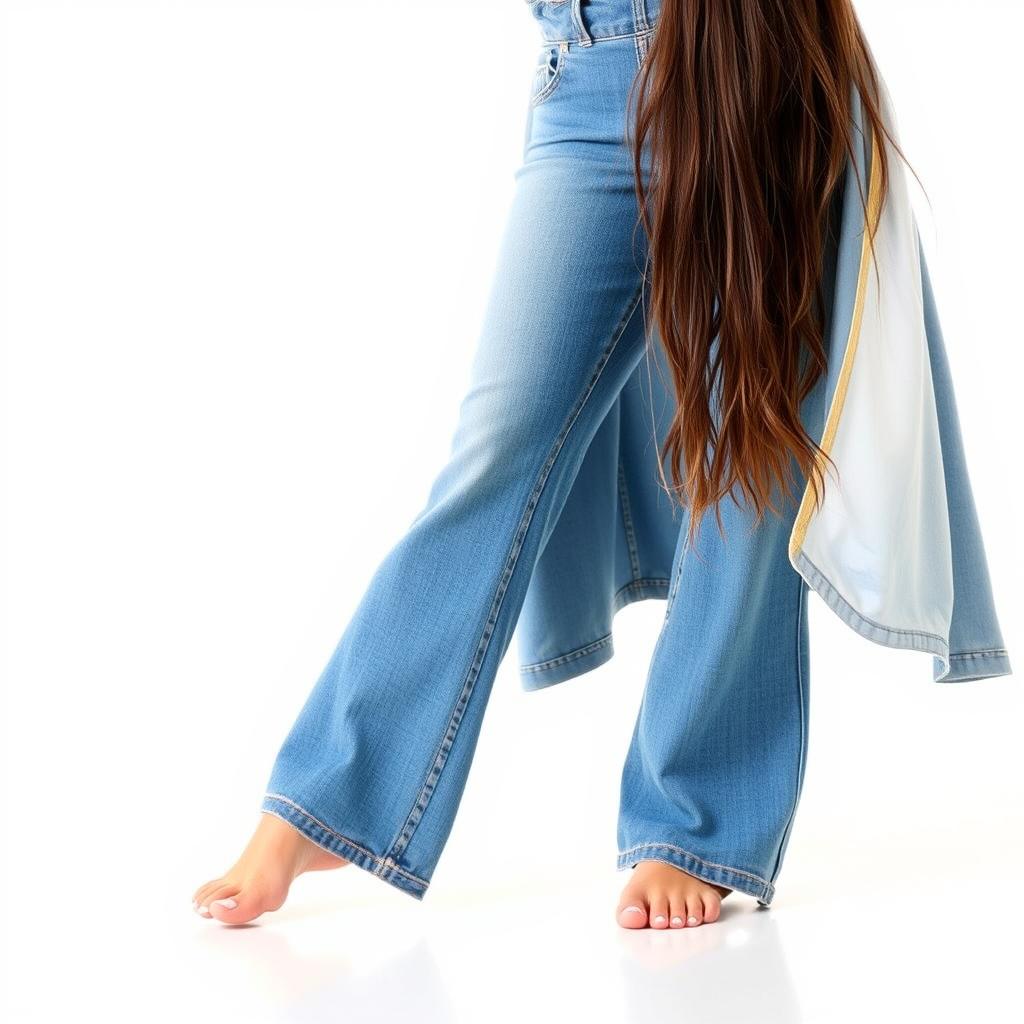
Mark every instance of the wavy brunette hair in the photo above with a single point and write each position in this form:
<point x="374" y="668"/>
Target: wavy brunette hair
<point x="746" y="108"/>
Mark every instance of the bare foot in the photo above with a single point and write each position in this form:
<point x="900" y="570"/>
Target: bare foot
<point x="662" y="896"/>
<point x="260" y="878"/>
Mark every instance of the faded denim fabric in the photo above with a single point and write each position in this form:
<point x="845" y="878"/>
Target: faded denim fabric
<point x="549" y="516"/>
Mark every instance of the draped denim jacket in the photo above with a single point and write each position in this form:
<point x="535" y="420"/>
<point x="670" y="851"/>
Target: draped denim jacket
<point x="895" y="549"/>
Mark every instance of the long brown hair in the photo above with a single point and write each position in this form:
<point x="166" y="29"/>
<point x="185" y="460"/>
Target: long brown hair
<point x="745" y="106"/>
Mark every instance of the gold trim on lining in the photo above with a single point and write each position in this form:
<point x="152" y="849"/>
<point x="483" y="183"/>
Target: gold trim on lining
<point x="803" y="516"/>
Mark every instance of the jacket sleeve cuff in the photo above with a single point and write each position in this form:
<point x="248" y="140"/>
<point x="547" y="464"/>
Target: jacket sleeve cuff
<point x="975" y="665"/>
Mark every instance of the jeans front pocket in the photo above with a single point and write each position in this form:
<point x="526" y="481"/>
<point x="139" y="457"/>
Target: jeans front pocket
<point x="548" y="72"/>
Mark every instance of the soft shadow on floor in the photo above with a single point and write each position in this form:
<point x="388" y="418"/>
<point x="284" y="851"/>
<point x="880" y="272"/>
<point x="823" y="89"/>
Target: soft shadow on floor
<point x="732" y="970"/>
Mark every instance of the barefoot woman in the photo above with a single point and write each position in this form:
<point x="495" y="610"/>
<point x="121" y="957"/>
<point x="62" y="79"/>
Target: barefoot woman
<point x="710" y="256"/>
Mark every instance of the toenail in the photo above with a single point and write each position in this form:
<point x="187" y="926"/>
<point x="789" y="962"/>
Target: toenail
<point x="677" y="921"/>
<point x="634" y="910"/>
<point x="660" y="919"/>
<point x="691" y="920"/>
<point x="204" y="910"/>
<point x="227" y="904"/>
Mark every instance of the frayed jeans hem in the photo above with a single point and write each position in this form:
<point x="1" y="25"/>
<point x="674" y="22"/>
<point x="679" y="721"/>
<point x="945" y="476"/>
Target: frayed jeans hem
<point x="334" y="842"/>
<point x="720" y="874"/>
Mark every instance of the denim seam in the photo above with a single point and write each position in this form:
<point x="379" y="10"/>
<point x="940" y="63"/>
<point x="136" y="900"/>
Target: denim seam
<point x="642" y="29"/>
<point x="583" y="37"/>
<point x="595" y="645"/>
<point x="767" y="887"/>
<point x="381" y="864"/>
<point x="598" y="39"/>
<point x="824" y="587"/>
<point x="627" y="523"/>
<point x="995" y="652"/>
<point x="676" y="579"/>
<point x="448" y="738"/>
<point x="556" y="76"/>
<point x="562" y="659"/>
<point x="640" y="16"/>
<point x="639" y="584"/>
<point x="640" y="46"/>
<point x="351" y="855"/>
<point x="803" y="726"/>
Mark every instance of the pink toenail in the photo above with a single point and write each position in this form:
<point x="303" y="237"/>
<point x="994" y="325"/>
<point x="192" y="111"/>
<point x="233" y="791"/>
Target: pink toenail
<point x="677" y="920"/>
<point x="227" y="904"/>
<point x="660" y="919"/>
<point x="204" y="910"/>
<point x="635" y="910"/>
<point x="691" y="920"/>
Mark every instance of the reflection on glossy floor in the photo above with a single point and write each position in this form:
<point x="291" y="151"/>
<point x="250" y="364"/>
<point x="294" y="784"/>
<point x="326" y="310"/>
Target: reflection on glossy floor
<point x="347" y="949"/>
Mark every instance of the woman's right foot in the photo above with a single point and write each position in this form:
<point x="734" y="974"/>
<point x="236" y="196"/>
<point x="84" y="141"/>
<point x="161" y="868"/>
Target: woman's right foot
<point x="259" y="880"/>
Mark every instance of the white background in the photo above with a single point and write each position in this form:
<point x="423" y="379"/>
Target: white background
<point x="246" y="248"/>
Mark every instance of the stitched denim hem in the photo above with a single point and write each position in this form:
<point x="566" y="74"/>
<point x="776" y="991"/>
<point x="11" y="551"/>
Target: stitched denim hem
<point x="917" y="640"/>
<point x="321" y="834"/>
<point x="960" y="667"/>
<point x="541" y="674"/>
<point x="975" y="665"/>
<point x="732" y="878"/>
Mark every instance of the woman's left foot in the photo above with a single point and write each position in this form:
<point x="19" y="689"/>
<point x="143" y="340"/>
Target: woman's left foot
<point x="662" y="896"/>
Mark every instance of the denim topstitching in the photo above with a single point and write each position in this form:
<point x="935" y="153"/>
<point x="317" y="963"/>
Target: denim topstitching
<point x="866" y="626"/>
<point x="802" y="751"/>
<point x="644" y="588"/>
<point x="377" y="865"/>
<point x="764" y="890"/>
<point x="447" y="740"/>
<point x="627" y="523"/>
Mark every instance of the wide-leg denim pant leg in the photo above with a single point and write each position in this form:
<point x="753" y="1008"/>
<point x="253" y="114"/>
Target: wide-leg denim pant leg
<point x="375" y="765"/>
<point x="715" y="766"/>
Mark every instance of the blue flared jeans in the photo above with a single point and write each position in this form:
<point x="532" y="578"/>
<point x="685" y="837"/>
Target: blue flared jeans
<point x="375" y="765"/>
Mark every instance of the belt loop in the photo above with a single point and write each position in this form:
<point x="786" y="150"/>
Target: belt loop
<point x="640" y="23"/>
<point x="577" y="20"/>
<point x="641" y="26"/>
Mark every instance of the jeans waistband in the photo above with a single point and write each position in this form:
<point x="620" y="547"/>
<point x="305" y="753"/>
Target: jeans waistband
<point x="585" y="21"/>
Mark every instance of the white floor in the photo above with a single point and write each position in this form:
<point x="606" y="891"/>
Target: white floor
<point x="896" y="900"/>
<point x="834" y="947"/>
